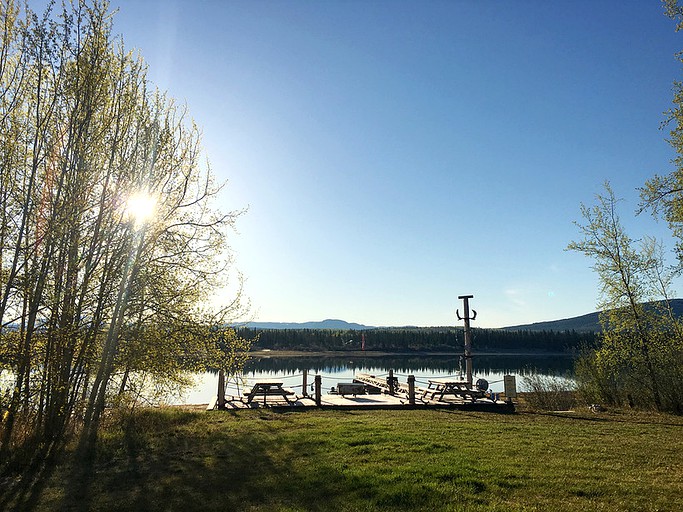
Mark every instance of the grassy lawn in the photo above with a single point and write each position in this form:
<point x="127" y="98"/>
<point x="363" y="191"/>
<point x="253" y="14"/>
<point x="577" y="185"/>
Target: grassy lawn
<point x="258" y="460"/>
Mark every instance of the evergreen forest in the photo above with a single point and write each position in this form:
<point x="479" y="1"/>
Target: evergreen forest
<point x="417" y="339"/>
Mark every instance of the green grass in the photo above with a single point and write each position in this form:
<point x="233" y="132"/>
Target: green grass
<point x="433" y="460"/>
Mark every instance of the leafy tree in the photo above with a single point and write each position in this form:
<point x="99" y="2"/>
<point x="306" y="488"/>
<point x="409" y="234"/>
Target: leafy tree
<point x="93" y="296"/>
<point x="641" y="355"/>
<point x="663" y="195"/>
<point x="639" y="336"/>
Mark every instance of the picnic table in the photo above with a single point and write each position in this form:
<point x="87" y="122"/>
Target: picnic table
<point x="266" y="388"/>
<point x="457" y="388"/>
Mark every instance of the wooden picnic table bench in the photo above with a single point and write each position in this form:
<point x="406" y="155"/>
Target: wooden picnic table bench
<point x="266" y="388"/>
<point x="441" y="387"/>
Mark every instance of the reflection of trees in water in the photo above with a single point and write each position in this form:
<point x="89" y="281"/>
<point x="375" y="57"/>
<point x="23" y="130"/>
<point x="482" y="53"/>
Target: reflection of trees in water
<point x="483" y="365"/>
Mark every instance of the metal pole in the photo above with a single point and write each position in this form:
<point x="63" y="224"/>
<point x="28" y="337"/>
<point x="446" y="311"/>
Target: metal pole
<point x="468" y="335"/>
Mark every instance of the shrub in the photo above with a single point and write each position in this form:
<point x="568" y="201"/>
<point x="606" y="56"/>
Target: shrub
<point x="549" y="393"/>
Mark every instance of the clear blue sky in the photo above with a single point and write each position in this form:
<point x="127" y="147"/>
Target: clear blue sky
<point x="394" y="155"/>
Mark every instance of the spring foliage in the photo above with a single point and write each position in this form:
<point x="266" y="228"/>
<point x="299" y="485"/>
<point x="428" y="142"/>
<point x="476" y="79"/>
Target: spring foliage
<point x="92" y="292"/>
<point x="640" y="359"/>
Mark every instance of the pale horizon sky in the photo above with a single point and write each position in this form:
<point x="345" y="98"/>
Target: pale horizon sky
<point x="396" y="155"/>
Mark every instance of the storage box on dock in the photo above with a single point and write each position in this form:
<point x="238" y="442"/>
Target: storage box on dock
<point x="350" y="388"/>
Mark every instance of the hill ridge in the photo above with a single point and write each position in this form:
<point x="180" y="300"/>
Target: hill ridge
<point x="583" y="323"/>
<point x="589" y="322"/>
<point x="328" y="323"/>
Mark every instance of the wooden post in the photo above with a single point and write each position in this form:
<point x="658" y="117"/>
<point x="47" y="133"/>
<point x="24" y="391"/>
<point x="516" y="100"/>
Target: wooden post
<point x="411" y="389"/>
<point x="318" y="388"/>
<point x="220" y="403"/>
<point x="305" y="383"/>
<point x="391" y="382"/>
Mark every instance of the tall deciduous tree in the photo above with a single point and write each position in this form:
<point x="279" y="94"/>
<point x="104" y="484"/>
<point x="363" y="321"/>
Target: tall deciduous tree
<point x="641" y="355"/>
<point x="625" y="272"/>
<point x="92" y="293"/>
<point x="663" y="194"/>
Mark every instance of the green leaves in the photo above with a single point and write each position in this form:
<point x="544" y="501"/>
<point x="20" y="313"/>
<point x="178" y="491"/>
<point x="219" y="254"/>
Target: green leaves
<point x="635" y="333"/>
<point x="87" y="296"/>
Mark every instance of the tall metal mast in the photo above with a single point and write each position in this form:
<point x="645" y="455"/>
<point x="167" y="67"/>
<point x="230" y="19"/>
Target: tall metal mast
<point x="468" y="335"/>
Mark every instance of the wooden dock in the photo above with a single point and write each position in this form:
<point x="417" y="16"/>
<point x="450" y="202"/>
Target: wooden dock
<point x="378" y="393"/>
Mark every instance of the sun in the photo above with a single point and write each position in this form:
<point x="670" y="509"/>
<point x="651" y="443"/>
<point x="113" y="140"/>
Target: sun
<point x="140" y="208"/>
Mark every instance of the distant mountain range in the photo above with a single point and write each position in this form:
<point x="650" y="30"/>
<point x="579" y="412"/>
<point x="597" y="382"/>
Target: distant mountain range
<point x="330" y="323"/>
<point x="583" y="323"/>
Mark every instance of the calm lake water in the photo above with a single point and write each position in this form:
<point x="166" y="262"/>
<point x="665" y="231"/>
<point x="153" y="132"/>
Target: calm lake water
<point x="342" y="369"/>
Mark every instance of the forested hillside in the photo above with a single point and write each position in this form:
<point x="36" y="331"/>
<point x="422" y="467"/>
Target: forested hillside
<point x="569" y="334"/>
<point x="434" y="339"/>
<point x="591" y="321"/>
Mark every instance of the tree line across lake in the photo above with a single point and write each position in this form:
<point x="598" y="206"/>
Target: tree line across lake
<point x="414" y="339"/>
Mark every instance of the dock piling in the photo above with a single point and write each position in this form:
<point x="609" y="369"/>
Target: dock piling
<point x="318" y="390"/>
<point x="411" y="389"/>
<point x="390" y="379"/>
<point x="305" y="383"/>
<point x="220" y="403"/>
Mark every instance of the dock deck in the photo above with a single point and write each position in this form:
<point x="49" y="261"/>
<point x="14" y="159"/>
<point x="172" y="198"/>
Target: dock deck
<point x="381" y="401"/>
<point x="380" y="398"/>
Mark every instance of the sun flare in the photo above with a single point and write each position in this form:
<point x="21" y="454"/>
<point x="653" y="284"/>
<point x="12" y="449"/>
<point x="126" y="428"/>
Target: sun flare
<point x="140" y="208"/>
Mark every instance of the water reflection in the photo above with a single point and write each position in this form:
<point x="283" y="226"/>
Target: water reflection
<point x="512" y="364"/>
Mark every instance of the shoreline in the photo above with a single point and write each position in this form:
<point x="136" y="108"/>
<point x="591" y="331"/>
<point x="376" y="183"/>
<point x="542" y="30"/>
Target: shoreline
<point x="359" y="353"/>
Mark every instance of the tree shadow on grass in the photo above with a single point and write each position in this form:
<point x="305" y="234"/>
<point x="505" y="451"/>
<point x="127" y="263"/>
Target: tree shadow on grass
<point x="86" y="483"/>
<point x="22" y="482"/>
<point x="171" y="469"/>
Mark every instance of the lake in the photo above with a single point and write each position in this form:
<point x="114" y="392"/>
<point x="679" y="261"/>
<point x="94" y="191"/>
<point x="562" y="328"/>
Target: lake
<point x="335" y="369"/>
